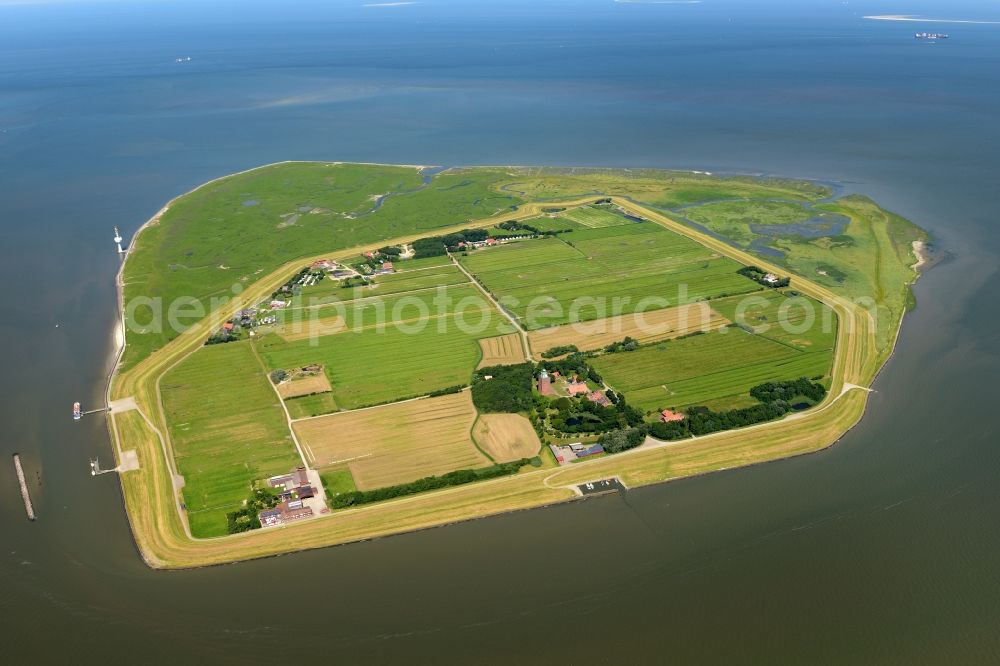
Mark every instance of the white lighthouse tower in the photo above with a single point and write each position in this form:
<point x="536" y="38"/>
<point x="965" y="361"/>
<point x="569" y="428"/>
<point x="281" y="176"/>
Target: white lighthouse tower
<point x="118" y="241"/>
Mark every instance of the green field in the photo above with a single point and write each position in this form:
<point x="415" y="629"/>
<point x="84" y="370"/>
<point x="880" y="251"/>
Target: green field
<point x="227" y="429"/>
<point x="540" y="281"/>
<point x="799" y="322"/>
<point x="368" y="311"/>
<point x="549" y="224"/>
<point x="311" y="405"/>
<point x="595" y="216"/>
<point x="380" y="285"/>
<point x="404" y="265"/>
<point x="371" y="367"/>
<point x="338" y="480"/>
<point x="716" y="369"/>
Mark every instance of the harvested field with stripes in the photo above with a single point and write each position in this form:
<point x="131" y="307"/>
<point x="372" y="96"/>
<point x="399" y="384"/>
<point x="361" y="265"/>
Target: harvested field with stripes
<point x="501" y="350"/>
<point x="395" y="443"/>
<point x="317" y="383"/>
<point x="506" y="437"/>
<point x="644" y="327"/>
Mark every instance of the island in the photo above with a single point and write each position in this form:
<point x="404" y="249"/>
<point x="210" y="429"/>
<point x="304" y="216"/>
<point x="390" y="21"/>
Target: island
<point x="315" y="353"/>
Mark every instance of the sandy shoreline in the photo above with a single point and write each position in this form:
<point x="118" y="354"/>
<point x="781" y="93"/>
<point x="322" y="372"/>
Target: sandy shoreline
<point x="921" y="253"/>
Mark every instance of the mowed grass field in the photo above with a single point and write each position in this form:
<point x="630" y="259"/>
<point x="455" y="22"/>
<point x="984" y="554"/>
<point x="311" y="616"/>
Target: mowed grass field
<point x="715" y="369"/>
<point x="227" y="429"/>
<point x="594" y="273"/>
<point x="594" y="217"/>
<point x="799" y="322"/>
<point x="373" y="312"/>
<point x="501" y="350"/>
<point x="311" y="405"/>
<point x="644" y="327"/>
<point x="328" y="290"/>
<point x="397" y="443"/>
<point x="506" y="437"/>
<point x="372" y="367"/>
<point x="551" y="223"/>
<point x="387" y="348"/>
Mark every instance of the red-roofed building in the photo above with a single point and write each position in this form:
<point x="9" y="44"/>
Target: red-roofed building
<point x="387" y="266"/>
<point x="228" y="326"/>
<point x="599" y="398"/>
<point x="667" y="416"/>
<point x="577" y="388"/>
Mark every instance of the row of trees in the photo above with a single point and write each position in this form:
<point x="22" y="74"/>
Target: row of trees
<point x="434" y="246"/>
<point x="552" y="352"/>
<point x="625" y="345"/>
<point x="789" y="391"/>
<point x="456" y="478"/>
<point x="514" y="225"/>
<point x="448" y="390"/>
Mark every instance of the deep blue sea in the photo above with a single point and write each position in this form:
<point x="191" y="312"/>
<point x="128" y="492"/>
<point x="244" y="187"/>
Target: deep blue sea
<point x="882" y="549"/>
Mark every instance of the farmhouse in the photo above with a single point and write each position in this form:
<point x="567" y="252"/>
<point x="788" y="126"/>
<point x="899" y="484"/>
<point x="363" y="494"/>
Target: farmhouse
<point x="668" y="416"/>
<point x="285" y="512"/>
<point x="771" y="278"/>
<point x="323" y="265"/>
<point x="295" y="488"/>
<point x="599" y="398"/>
<point x="566" y="454"/>
<point x="297" y="477"/>
<point x="576" y="387"/>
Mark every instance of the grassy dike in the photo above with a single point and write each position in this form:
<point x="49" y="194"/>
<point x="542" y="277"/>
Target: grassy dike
<point x="164" y="540"/>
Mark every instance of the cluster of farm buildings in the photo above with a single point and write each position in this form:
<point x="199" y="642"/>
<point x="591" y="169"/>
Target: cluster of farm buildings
<point x="298" y="499"/>
<point x="568" y="453"/>
<point x="572" y="387"/>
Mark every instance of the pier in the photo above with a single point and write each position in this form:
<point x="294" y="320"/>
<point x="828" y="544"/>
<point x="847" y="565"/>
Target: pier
<point x="24" y="487"/>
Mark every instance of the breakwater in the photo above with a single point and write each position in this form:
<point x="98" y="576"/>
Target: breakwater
<point x="24" y="487"/>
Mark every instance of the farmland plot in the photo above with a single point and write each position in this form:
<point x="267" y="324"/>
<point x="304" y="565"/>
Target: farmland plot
<point x="227" y="429"/>
<point x="396" y="443"/>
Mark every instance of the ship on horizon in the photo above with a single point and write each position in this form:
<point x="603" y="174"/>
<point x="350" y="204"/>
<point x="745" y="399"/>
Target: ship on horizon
<point x="930" y="35"/>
